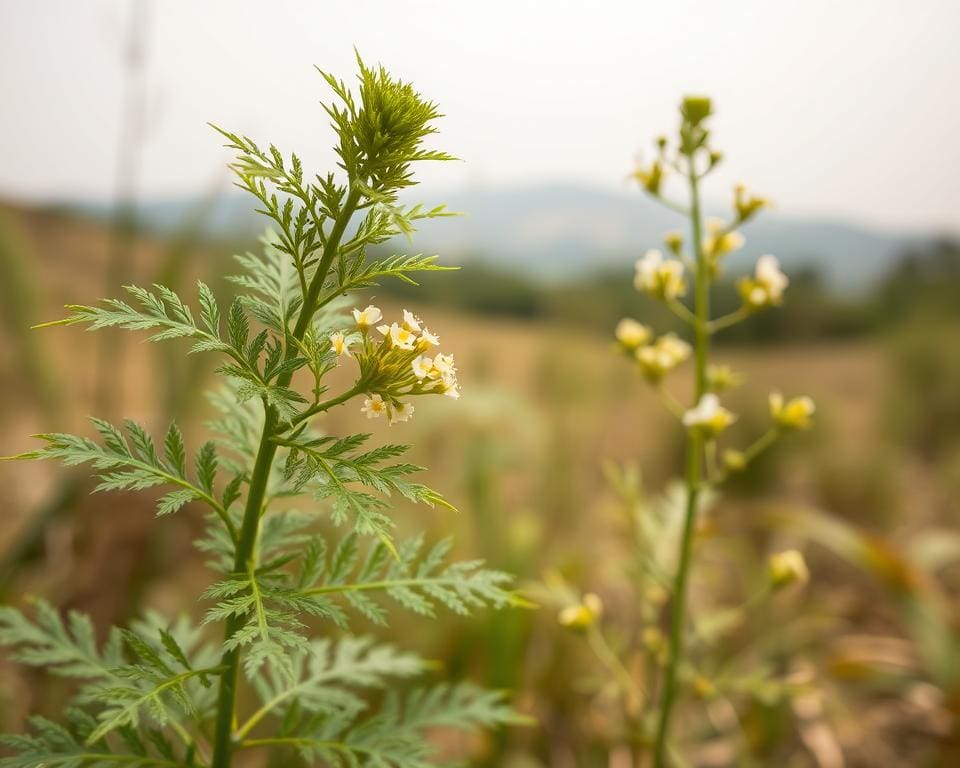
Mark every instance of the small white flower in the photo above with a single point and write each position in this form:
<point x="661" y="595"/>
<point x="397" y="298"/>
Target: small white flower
<point x="709" y="415"/>
<point x="647" y="268"/>
<point x="422" y="366"/>
<point x="401" y="338"/>
<point x="367" y="317"/>
<point x="451" y="388"/>
<point x="769" y="275"/>
<point x="402" y="412"/>
<point x="767" y="285"/>
<point x="428" y="340"/>
<point x="374" y="407"/>
<point x="659" y="277"/>
<point x="443" y="364"/>
<point x="411" y="322"/>
<point x="339" y="344"/>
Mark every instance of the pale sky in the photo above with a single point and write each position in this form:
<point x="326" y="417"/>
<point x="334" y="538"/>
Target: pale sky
<point x="845" y="108"/>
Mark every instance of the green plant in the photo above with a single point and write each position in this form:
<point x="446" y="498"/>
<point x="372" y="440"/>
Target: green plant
<point x="158" y="693"/>
<point x="664" y="534"/>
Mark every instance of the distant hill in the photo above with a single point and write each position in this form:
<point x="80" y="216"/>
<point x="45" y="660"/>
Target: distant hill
<point x="556" y="232"/>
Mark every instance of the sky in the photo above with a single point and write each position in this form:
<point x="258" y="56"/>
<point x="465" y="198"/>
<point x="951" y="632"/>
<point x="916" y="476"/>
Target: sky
<point x="833" y="108"/>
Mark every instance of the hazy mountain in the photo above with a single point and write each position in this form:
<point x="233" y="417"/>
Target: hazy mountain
<point x="557" y="232"/>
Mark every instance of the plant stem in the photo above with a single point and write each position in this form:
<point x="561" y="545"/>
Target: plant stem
<point x="226" y="699"/>
<point x="701" y="310"/>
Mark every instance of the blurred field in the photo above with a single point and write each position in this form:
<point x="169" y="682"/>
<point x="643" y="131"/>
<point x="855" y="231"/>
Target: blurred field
<point x="522" y="456"/>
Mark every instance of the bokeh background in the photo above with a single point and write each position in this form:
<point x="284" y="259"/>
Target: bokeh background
<point x="843" y="113"/>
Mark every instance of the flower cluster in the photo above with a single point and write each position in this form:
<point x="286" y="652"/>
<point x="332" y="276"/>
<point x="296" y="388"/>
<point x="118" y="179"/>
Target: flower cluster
<point x="396" y="365"/>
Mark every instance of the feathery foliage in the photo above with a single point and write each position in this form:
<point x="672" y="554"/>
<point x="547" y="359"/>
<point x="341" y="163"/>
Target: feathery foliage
<point x="155" y="695"/>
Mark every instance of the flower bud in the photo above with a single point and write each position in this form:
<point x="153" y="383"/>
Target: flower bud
<point x="653" y="639"/>
<point x="650" y="178"/>
<point x="722" y="377"/>
<point x="787" y="568"/>
<point x="747" y="206"/>
<point x="583" y="614"/>
<point x="704" y="688"/>
<point x="674" y="241"/>
<point x="632" y="334"/>
<point x="734" y="461"/>
<point x="696" y="109"/>
<point x="796" y="413"/>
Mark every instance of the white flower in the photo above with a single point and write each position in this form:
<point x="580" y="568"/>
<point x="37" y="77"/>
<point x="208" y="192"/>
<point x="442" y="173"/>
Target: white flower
<point x="367" y="317"/>
<point x="402" y="412"/>
<point x="647" y="268"/>
<point x="339" y="344"/>
<point x="632" y="334"/>
<point x="769" y="275"/>
<point x="443" y="364"/>
<point x="400" y="337"/>
<point x="422" y="366"/>
<point x="374" y="407"/>
<point x="450" y="388"/>
<point x="767" y="285"/>
<point x="709" y="416"/>
<point x="411" y="322"/>
<point x="428" y="340"/>
<point x="658" y="277"/>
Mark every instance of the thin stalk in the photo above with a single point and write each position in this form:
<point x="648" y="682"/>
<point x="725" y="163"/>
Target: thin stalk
<point x="701" y="309"/>
<point x="226" y="699"/>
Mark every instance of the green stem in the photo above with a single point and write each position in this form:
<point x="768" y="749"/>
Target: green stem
<point x="326" y="405"/>
<point x="226" y="700"/>
<point x="694" y="457"/>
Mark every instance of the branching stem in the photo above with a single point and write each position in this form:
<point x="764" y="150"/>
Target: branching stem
<point x="226" y="700"/>
<point x="701" y="311"/>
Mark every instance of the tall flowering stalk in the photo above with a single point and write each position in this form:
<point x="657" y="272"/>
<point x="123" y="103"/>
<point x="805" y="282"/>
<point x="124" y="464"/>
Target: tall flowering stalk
<point x="160" y="694"/>
<point x="664" y="277"/>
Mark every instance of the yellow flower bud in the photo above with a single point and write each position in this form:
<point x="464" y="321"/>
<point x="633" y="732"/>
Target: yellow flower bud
<point x="734" y="461"/>
<point x="722" y="377"/>
<point x="656" y="594"/>
<point x="674" y="241"/>
<point x="796" y="413"/>
<point x="747" y="206"/>
<point x="704" y="688"/>
<point x="787" y="568"/>
<point x="651" y="178"/>
<point x="653" y="639"/>
<point x="581" y="615"/>
<point x="632" y="334"/>
<point x="696" y="109"/>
